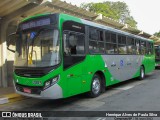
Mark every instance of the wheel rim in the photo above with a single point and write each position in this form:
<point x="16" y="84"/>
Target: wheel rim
<point x="96" y="86"/>
<point x="142" y="73"/>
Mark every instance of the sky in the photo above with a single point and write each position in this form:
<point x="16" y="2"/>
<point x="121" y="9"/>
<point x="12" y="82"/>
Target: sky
<point x="145" y="12"/>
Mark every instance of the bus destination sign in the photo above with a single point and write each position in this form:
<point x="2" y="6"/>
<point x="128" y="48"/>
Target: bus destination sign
<point x="35" y="23"/>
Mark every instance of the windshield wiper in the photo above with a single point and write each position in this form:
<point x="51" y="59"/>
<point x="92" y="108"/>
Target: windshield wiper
<point x="32" y="43"/>
<point x="33" y="39"/>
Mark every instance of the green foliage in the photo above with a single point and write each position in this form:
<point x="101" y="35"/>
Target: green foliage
<point x="130" y="21"/>
<point x="115" y="10"/>
<point x="157" y="34"/>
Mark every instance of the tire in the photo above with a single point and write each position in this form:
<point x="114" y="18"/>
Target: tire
<point x="95" y="86"/>
<point x="142" y="73"/>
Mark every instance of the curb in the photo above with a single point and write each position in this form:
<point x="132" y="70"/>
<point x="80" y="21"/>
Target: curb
<point x="10" y="97"/>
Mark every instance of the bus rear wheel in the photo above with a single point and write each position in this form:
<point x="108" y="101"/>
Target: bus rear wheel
<point x="142" y="73"/>
<point x="95" y="86"/>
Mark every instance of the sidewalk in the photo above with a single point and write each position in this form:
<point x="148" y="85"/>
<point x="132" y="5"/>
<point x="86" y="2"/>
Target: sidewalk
<point x="8" y="94"/>
<point x="6" y="90"/>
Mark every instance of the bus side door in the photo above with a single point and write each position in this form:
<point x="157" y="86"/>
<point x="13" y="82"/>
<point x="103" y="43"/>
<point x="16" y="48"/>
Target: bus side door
<point x="73" y="61"/>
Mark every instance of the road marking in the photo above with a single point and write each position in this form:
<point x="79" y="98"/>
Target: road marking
<point x="101" y="119"/>
<point x="90" y="103"/>
<point x="3" y="100"/>
<point x="124" y="88"/>
<point x="107" y="94"/>
<point x="10" y="97"/>
<point x="13" y="101"/>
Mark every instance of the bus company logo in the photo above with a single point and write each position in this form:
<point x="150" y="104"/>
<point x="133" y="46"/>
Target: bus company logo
<point x="121" y="63"/>
<point x="6" y="114"/>
<point x="27" y="75"/>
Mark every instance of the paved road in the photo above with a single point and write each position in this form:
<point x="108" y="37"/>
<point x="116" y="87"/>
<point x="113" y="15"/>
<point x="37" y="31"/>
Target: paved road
<point x="132" y="95"/>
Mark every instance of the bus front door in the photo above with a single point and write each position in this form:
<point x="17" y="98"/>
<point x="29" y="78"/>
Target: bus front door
<point x="73" y="61"/>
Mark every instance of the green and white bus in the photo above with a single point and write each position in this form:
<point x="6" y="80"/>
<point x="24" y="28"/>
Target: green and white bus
<point x="157" y="55"/>
<point x="58" y="56"/>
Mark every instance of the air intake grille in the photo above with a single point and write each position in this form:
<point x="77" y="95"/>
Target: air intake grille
<point x="30" y="73"/>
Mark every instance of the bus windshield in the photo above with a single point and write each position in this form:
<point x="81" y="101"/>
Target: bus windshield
<point x="37" y="48"/>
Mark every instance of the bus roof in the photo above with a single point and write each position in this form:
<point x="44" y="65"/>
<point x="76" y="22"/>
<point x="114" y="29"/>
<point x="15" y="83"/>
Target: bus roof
<point x="93" y="24"/>
<point x="114" y="30"/>
<point x="35" y="16"/>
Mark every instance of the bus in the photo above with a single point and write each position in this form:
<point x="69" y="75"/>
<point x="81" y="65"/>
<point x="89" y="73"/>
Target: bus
<point x="59" y="55"/>
<point x="157" y="56"/>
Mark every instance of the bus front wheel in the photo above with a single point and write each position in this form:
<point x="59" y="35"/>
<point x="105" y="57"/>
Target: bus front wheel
<point x="95" y="86"/>
<point x="142" y="73"/>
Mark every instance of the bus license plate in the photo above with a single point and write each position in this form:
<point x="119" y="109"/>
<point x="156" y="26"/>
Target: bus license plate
<point x="27" y="90"/>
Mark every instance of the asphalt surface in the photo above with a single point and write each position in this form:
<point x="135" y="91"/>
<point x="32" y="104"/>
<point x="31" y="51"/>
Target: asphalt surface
<point x="131" y="95"/>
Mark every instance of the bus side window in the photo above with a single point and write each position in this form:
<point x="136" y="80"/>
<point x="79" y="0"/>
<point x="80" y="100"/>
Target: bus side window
<point x="66" y="49"/>
<point x="80" y="44"/>
<point x="100" y="42"/>
<point x="130" y="45"/>
<point x="143" y="47"/>
<point x="137" y="43"/>
<point x="96" y="41"/>
<point x="72" y="41"/>
<point x="111" y="43"/>
<point x="147" y="48"/>
<point x="122" y="47"/>
<point x="93" y="39"/>
<point x="150" y="48"/>
<point x="73" y="44"/>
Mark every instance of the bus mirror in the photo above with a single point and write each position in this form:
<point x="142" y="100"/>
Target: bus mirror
<point x="11" y="41"/>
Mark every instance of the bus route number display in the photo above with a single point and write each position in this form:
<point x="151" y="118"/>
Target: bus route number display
<point x="35" y="23"/>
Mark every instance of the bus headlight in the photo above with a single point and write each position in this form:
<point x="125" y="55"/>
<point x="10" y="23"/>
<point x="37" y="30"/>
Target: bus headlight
<point x="55" y="80"/>
<point x="47" y="84"/>
<point x="51" y="82"/>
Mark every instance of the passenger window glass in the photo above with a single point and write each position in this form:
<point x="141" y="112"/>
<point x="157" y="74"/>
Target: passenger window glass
<point x="150" y="48"/>
<point x="93" y="47"/>
<point x="74" y="43"/>
<point x="101" y="36"/>
<point x="111" y="43"/>
<point x="130" y="45"/>
<point x="111" y="48"/>
<point x="147" y="48"/>
<point x="113" y="38"/>
<point x="121" y="39"/>
<point x="137" y="43"/>
<point x="93" y="34"/>
<point x="143" y="47"/>
<point x="122" y="48"/>
<point x="101" y="47"/>
<point x="96" y="41"/>
<point x="108" y="39"/>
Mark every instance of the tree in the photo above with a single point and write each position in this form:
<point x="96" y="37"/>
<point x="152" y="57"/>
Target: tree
<point x="115" y="10"/>
<point x="157" y="34"/>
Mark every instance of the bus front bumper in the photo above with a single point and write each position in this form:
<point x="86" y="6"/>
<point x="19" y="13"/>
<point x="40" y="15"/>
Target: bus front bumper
<point x="53" y="92"/>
